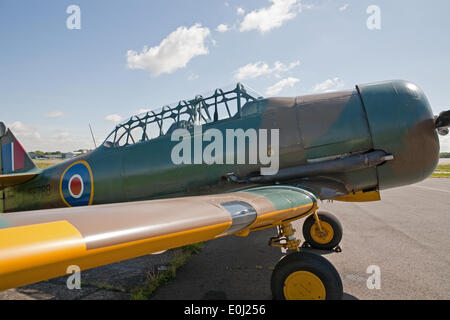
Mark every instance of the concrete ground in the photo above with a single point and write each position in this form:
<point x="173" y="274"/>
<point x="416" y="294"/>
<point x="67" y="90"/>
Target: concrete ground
<point x="406" y="235"/>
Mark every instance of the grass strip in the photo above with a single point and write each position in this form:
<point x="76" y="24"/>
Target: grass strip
<point x="157" y="279"/>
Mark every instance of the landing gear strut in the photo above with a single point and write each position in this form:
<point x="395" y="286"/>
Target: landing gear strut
<point x="302" y="275"/>
<point x="285" y="238"/>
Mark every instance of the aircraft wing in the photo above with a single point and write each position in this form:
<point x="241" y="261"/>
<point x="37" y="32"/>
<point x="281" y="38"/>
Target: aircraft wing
<point x="38" y="245"/>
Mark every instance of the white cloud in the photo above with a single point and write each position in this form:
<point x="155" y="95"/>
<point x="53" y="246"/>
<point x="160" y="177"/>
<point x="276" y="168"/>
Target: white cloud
<point x="329" y="85"/>
<point x="344" y="7"/>
<point x="113" y="118"/>
<point x="309" y="6"/>
<point x="280" y="67"/>
<point x="47" y="139"/>
<point x="226" y="4"/>
<point x="240" y="11"/>
<point x="222" y="28"/>
<point x="174" y="52"/>
<point x="142" y="110"/>
<point x="252" y="70"/>
<point x="268" y="18"/>
<point x="61" y="135"/>
<point x="54" y="114"/>
<point x="193" y="76"/>
<point x="280" y="85"/>
<point x="21" y="130"/>
<point x="257" y="69"/>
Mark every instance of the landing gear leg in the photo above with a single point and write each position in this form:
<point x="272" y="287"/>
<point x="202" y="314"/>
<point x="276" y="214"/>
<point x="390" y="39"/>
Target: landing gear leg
<point x="302" y="275"/>
<point x="322" y="230"/>
<point x="285" y="238"/>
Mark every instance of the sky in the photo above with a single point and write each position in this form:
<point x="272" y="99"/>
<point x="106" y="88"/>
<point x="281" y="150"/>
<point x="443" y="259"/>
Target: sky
<point x="67" y="64"/>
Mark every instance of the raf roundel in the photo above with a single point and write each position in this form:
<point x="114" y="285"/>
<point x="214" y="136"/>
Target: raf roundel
<point x="77" y="185"/>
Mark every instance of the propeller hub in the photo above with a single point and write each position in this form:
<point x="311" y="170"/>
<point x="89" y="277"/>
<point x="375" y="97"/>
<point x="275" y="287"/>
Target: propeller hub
<point x="442" y="122"/>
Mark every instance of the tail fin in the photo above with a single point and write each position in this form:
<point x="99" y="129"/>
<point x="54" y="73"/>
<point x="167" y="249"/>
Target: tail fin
<point x="14" y="159"/>
<point x="15" y="164"/>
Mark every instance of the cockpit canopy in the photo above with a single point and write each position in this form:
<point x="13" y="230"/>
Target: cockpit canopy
<point x="153" y="124"/>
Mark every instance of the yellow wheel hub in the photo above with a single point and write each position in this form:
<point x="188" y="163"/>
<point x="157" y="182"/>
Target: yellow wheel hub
<point x="324" y="236"/>
<point x="304" y="285"/>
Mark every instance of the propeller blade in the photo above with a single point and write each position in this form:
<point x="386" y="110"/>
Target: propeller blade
<point x="443" y="120"/>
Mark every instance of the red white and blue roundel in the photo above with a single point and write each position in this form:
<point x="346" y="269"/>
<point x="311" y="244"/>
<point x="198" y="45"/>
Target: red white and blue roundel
<point x="77" y="185"/>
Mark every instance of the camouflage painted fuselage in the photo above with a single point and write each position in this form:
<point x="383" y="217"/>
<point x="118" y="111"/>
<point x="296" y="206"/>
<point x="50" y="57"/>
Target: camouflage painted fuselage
<point x="392" y="116"/>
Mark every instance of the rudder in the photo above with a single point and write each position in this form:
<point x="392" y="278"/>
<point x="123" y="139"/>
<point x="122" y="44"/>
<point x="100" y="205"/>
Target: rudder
<point x="13" y="157"/>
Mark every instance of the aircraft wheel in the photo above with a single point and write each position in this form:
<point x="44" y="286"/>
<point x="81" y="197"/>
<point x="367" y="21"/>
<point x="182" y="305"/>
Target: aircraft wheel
<point x="306" y="276"/>
<point x="329" y="237"/>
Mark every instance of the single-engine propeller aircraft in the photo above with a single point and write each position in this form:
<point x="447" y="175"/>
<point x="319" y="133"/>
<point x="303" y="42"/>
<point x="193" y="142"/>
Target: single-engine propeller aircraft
<point x="128" y="198"/>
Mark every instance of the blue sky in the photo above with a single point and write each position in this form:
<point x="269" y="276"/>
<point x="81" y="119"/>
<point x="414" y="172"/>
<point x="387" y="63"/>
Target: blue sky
<point x="55" y="81"/>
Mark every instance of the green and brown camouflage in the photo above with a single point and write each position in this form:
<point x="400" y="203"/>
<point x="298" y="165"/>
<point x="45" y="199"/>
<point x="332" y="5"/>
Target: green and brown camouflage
<point x="376" y="136"/>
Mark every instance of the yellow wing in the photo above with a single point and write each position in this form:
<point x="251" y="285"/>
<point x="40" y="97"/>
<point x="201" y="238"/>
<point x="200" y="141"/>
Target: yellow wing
<point x="38" y="245"/>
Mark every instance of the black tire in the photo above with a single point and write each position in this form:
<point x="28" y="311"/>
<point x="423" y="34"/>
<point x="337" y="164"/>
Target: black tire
<point x="313" y="263"/>
<point x="332" y="221"/>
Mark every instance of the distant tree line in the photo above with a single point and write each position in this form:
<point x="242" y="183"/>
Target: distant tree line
<point x="445" y="155"/>
<point x="38" y="154"/>
<point x="42" y="153"/>
<point x="55" y="153"/>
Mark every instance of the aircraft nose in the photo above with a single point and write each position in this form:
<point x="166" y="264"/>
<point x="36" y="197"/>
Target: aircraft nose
<point x="402" y="124"/>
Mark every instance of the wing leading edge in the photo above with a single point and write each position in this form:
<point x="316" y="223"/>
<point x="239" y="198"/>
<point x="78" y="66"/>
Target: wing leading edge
<point x="39" y="245"/>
